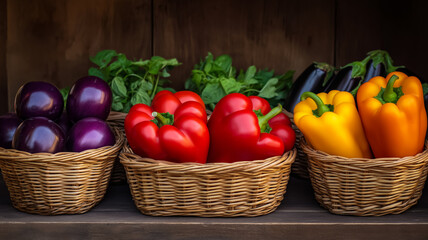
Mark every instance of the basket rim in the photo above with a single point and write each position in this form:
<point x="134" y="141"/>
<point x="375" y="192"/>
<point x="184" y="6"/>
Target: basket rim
<point x="114" y="115"/>
<point x="18" y="155"/>
<point x="127" y="157"/>
<point x="385" y="161"/>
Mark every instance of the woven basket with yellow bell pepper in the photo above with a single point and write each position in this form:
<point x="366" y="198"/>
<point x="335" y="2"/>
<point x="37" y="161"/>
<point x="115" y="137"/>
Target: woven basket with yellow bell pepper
<point x="370" y="161"/>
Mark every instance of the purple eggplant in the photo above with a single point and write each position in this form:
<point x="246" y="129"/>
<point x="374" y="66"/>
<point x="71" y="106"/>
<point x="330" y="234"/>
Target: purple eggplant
<point x="39" y="134"/>
<point x="380" y="64"/>
<point x="89" y="97"/>
<point x="346" y="80"/>
<point x="8" y="125"/>
<point x="89" y="133"/>
<point x="373" y="70"/>
<point x="313" y="79"/>
<point x="38" y="99"/>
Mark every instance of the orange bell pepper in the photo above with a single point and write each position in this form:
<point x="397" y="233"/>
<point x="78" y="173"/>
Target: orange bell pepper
<point x="393" y="115"/>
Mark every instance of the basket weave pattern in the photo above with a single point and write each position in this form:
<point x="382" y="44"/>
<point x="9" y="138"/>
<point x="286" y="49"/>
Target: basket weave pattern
<point x="161" y="188"/>
<point x="61" y="183"/>
<point x="366" y="187"/>
<point x="117" y="119"/>
<point x="300" y="165"/>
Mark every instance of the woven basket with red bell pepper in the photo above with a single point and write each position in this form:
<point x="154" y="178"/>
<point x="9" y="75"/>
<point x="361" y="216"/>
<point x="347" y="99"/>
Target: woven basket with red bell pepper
<point x="243" y="152"/>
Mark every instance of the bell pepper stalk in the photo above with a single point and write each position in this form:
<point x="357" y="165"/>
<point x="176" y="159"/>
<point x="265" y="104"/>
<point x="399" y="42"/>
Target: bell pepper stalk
<point x="279" y="125"/>
<point x="179" y="135"/>
<point x="393" y="115"/>
<point x="235" y="132"/>
<point x="321" y="107"/>
<point x="331" y="123"/>
<point x="389" y="95"/>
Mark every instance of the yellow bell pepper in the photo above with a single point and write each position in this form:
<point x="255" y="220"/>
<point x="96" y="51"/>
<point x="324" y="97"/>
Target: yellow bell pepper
<point x="393" y="115"/>
<point x="330" y="123"/>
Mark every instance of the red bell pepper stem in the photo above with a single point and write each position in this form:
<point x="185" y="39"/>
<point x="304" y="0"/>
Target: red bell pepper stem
<point x="389" y="95"/>
<point x="321" y="107"/>
<point x="264" y="120"/>
<point x="161" y="119"/>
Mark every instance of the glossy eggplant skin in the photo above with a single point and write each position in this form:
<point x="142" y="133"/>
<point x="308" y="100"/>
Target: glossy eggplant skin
<point x="343" y="81"/>
<point x="311" y="80"/>
<point x="373" y="71"/>
<point x="39" y="134"/>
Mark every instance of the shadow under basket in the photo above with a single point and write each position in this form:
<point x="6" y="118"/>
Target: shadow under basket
<point x="60" y="183"/>
<point x="366" y="187"/>
<point x="247" y="188"/>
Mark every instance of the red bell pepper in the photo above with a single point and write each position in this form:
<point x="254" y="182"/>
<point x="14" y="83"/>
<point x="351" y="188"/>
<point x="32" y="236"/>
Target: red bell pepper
<point x="280" y="124"/>
<point x="238" y="134"/>
<point x="181" y="137"/>
<point x="166" y="101"/>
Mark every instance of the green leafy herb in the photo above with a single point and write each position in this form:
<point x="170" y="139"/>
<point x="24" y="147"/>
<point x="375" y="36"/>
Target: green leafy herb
<point x="214" y="78"/>
<point x="131" y="81"/>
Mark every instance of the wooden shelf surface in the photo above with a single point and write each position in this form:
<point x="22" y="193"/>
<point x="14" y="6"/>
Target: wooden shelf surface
<point x="298" y="217"/>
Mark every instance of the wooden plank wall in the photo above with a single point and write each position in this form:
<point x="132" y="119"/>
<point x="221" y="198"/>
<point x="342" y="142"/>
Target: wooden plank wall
<point x="401" y="28"/>
<point x="279" y="35"/>
<point x="3" y="74"/>
<point x="52" y="40"/>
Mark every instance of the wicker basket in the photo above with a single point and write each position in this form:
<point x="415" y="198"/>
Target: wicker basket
<point x="118" y="174"/>
<point x="300" y="165"/>
<point x="366" y="187"/>
<point x="161" y="188"/>
<point x="61" y="183"/>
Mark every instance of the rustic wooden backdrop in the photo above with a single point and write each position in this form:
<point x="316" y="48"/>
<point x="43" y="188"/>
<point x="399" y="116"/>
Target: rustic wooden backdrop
<point x="51" y="40"/>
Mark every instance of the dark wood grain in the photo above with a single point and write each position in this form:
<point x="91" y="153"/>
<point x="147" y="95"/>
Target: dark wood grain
<point x="279" y="35"/>
<point x="3" y="69"/>
<point x="51" y="40"/>
<point x="401" y="29"/>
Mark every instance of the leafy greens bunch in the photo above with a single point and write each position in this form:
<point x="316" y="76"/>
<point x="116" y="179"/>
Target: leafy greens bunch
<point x="214" y="78"/>
<point x="132" y="82"/>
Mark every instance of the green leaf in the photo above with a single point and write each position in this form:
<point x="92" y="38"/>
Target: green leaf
<point x="64" y="92"/>
<point x="146" y="86"/>
<point x="230" y="85"/>
<point x="103" y="58"/>
<point x="269" y="90"/>
<point x="141" y="63"/>
<point x="118" y="87"/>
<point x="135" y="85"/>
<point x="164" y="73"/>
<point x="96" y="72"/>
<point x="212" y="93"/>
<point x="225" y="62"/>
<point x="250" y="73"/>
<point x="264" y="75"/>
<point x="208" y="67"/>
<point x="127" y="107"/>
<point x="117" y="104"/>
<point x="141" y="96"/>
<point x="425" y="88"/>
<point x="172" y="62"/>
<point x="190" y="85"/>
<point x="156" y="63"/>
